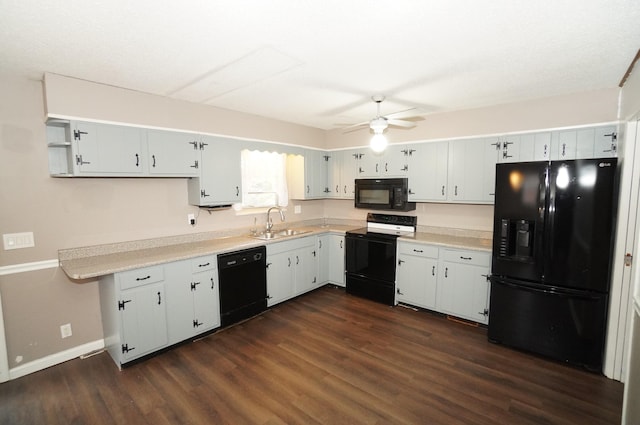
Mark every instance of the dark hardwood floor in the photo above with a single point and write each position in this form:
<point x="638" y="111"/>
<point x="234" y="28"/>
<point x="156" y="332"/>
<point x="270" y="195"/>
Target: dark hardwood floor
<point x="324" y="358"/>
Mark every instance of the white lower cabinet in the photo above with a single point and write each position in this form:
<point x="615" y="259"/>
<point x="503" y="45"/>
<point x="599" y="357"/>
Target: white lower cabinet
<point x="134" y="314"/>
<point x="147" y="309"/>
<point x="193" y="303"/>
<point x="417" y="274"/>
<point x="463" y="286"/>
<point x="448" y="281"/>
<point x="291" y="268"/>
<point x="331" y="259"/>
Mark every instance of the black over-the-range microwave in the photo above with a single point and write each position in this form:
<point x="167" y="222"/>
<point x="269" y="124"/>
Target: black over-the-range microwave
<point x="383" y="194"/>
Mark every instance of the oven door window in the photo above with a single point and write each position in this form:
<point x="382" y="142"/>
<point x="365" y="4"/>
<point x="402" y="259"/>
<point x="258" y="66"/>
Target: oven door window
<point x="375" y="196"/>
<point x="374" y="259"/>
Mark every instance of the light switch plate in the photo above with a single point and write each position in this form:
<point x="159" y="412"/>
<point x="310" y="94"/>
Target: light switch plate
<point x="18" y="240"/>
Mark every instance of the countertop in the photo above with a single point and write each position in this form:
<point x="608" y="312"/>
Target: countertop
<point x="101" y="260"/>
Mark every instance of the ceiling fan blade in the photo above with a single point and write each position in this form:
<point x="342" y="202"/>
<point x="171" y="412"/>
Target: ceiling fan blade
<point x="401" y="123"/>
<point x="406" y="113"/>
<point x="352" y="126"/>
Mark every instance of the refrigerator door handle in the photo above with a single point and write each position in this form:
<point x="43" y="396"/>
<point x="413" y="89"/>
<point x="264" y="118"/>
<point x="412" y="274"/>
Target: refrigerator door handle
<point x="544" y="289"/>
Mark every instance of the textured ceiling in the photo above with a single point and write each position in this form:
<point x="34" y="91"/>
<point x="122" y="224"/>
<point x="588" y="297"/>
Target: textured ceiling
<point x="317" y="63"/>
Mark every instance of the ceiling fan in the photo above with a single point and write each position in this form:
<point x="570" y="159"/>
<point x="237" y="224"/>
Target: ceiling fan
<point x="380" y="123"/>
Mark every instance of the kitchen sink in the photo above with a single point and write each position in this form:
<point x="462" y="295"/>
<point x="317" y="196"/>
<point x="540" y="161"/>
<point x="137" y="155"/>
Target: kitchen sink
<point x="277" y="234"/>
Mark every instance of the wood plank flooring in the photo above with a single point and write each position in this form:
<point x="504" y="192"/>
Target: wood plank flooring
<point x="324" y="358"/>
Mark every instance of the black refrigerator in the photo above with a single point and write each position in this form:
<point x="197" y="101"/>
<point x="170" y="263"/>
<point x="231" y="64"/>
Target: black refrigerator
<point x="552" y="247"/>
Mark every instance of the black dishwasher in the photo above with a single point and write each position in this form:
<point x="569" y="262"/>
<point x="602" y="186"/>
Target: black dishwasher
<point x="243" y="284"/>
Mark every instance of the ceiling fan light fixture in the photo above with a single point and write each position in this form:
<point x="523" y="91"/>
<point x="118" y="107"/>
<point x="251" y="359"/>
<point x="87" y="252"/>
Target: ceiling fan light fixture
<point x="378" y="142"/>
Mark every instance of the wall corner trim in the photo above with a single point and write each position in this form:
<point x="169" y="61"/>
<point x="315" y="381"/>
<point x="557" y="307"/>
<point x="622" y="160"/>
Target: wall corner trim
<point x="54" y="359"/>
<point x="29" y="267"/>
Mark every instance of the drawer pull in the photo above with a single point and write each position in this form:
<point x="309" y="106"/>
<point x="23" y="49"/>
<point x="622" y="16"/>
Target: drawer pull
<point x="143" y="278"/>
<point x="418" y="250"/>
<point x="466" y="258"/>
<point x="204" y="265"/>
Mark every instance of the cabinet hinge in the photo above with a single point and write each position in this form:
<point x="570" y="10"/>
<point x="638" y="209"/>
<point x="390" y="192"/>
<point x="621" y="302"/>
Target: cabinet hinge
<point x="326" y="158"/>
<point x="203" y="193"/>
<point x="628" y="259"/>
<point x="126" y="349"/>
<point x="202" y="145"/>
<point x="196" y="323"/>
<point x="122" y="303"/>
<point x="195" y="145"/>
<point x="195" y="164"/>
<point x="77" y="134"/>
<point x="484" y="313"/>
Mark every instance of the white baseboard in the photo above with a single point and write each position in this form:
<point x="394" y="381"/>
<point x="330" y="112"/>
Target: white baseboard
<point x="55" y="359"/>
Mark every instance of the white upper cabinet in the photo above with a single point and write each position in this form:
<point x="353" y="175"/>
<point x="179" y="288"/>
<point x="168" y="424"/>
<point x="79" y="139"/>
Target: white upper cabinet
<point x="390" y="163"/>
<point x="516" y="148"/>
<point x="102" y="149"/>
<point x="173" y="154"/>
<point x="220" y="178"/>
<point x="334" y="174"/>
<point x="606" y="142"/>
<point x="542" y="146"/>
<point x="565" y="145"/>
<point x="307" y="175"/>
<point x="471" y="166"/>
<point x="427" y="171"/>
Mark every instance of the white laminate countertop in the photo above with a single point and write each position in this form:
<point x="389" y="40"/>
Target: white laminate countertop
<point x="100" y="260"/>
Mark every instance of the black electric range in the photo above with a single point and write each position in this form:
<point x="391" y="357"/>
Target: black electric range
<point x="371" y="256"/>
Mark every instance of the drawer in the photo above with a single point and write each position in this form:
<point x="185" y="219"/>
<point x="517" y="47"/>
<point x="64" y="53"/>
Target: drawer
<point x="475" y="258"/>
<point x="201" y="264"/>
<point x="139" y="277"/>
<point x="418" y="249"/>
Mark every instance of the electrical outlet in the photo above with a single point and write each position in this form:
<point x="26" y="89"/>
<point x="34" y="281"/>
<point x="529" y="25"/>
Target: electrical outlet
<point x="192" y="219"/>
<point x="297" y="209"/>
<point x="65" y="330"/>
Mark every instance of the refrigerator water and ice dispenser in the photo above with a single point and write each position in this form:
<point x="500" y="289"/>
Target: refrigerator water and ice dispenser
<point x="516" y="239"/>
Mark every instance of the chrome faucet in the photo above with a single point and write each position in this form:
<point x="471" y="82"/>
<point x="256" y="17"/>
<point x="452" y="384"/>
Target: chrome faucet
<point x="269" y="224"/>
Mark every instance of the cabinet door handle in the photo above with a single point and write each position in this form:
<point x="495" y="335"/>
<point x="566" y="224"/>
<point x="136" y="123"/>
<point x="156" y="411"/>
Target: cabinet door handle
<point x="386" y="169"/>
<point x="289" y="262"/>
<point x="337" y="189"/>
<point x="153" y="157"/>
<point x="341" y="243"/>
<point x="320" y="243"/>
<point x="442" y="190"/>
<point x="237" y="191"/>
<point x="137" y="160"/>
<point x="345" y="188"/>
<point x="446" y="272"/>
<point x="433" y="270"/>
<point x="455" y="190"/>
<point x="159" y="298"/>
<point x="212" y="284"/>
<point x="307" y="189"/>
<point x="376" y="168"/>
<point x="297" y="260"/>
<point x="314" y="253"/>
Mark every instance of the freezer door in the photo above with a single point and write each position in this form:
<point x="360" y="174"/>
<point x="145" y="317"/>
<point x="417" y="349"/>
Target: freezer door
<point x="519" y="215"/>
<point x="578" y="235"/>
<point x="561" y="324"/>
